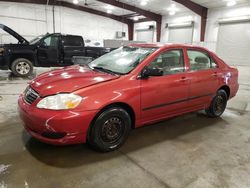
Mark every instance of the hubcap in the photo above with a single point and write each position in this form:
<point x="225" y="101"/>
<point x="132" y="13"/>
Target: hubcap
<point x="23" y="68"/>
<point x="219" y="105"/>
<point x="112" y="130"/>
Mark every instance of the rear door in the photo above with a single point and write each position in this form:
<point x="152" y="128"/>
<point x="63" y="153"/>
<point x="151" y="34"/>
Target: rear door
<point x="165" y="95"/>
<point x="48" y="52"/>
<point x="204" y="77"/>
<point x="72" y="46"/>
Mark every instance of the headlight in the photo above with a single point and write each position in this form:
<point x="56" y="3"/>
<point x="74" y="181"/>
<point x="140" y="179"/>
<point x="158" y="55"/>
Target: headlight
<point x="60" y="102"/>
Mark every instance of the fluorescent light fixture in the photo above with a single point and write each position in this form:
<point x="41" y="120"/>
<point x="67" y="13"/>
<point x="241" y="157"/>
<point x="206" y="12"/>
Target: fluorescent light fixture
<point x="135" y="18"/>
<point x="231" y="3"/>
<point x="75" y="2"/>
<point x="109" y="11"/>
<point x="143" y="3"/>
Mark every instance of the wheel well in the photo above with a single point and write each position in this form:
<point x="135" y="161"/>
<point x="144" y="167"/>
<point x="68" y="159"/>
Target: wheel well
<point x="125" y="106"/>
<point x="226" y="89"/>
<point x="24" y="56"/>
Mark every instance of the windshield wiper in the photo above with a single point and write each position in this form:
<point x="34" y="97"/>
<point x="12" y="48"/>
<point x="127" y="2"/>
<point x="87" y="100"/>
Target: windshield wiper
<point x="105" y="70"/>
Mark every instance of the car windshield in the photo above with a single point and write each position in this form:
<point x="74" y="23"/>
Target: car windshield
<point x="35" y="40"/>
<point x="122" y="60"/>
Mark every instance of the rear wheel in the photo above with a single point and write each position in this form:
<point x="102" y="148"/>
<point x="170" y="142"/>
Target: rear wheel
<point x="110" y="129"/>
<point x="21" y="67"/>
<point x="218" y="104"/>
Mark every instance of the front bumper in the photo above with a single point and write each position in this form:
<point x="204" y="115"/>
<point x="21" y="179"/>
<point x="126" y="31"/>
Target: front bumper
<point x="55" y="127"/>
<point x="3" y="65"/>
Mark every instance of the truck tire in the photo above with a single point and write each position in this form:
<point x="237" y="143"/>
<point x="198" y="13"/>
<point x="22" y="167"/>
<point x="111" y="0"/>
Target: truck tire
<point x="21" y="67"/>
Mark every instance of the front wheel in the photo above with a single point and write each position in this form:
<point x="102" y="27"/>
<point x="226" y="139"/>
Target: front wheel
<point x="218" y="104"/>
<point x="21" y="67"/>
<point x="110" y="129"/>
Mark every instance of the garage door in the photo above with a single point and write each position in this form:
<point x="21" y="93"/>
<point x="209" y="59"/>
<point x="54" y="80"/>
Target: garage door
<point x="145" y="35"/>
<point x="233" y="44"/>
<point x="181" y="35"/>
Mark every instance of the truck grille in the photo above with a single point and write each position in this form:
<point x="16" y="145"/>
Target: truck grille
<point x="30" y="95"/>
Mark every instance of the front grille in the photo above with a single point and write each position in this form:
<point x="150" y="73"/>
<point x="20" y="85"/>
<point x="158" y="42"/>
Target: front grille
<point x="30" y="95"/>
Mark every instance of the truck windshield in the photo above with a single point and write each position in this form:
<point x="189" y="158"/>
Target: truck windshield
<point x="35" y="40"/>
<point x="122" y="60"/>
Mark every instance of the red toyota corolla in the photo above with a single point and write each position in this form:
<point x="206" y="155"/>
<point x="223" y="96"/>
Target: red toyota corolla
<point x="130" y="87"/>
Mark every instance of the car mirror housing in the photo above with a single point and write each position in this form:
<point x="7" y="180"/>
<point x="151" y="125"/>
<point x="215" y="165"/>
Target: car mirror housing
<point x="147" y="72"/>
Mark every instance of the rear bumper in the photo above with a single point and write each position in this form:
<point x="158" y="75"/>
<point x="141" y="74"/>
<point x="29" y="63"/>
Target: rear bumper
<point x="55" y="127"/>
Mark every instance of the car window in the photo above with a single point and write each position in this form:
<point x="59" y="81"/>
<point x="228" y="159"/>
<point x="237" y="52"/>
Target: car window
<point x="200" y="60"/>
<point x="72" y="41"/>
<point x="51" y="41"/>
<point x="170" y="62"/>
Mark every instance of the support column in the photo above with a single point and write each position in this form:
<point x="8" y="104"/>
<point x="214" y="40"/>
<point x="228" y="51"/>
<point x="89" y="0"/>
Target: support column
<point x="130" y="31"/>
<point x="203" y="24"/>
<point x="158" y="30"/>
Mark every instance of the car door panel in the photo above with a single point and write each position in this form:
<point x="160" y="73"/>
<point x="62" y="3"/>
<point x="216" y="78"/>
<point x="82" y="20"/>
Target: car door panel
<point x="166" y="95"/>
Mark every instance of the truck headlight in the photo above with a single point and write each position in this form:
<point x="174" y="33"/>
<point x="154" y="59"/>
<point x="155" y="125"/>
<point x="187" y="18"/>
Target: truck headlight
<point x="60" y="102"/>
<point x="1" y="50"/>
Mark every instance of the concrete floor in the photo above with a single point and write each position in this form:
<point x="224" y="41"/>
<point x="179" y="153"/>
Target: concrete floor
<point x="189" y="151"/>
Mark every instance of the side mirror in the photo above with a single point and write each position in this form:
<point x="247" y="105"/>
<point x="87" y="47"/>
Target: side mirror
<point x="147" y="72"/>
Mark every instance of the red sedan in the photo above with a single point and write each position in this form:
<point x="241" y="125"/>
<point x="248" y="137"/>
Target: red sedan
<point x="130" y="87"/>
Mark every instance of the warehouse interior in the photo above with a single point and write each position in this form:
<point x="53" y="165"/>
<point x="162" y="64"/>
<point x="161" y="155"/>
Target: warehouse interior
<point x="187" y="151"/>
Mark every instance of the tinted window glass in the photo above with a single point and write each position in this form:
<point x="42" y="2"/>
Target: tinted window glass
<point x="200" y="60"/>
<point x="72" y="41"/>
<point x="51" y="41"/>
<point x="170" y="62"/>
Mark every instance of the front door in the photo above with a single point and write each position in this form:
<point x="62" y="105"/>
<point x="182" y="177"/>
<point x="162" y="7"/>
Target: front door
<point x="48" y="53"/>
<point x="165" y="95"/>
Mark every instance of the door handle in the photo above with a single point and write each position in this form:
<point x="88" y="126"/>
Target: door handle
<point x="215" y="74"/>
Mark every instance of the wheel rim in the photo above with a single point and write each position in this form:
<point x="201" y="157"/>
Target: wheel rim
<point x="219" y="105"/>
<point x="112" y="130"/>
<point x="23" y="68"/>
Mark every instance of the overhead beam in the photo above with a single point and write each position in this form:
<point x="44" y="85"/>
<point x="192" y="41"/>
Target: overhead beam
<point x="200" y="10"/>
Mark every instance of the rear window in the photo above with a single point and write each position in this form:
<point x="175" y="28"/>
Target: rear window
<point x="72" y="41"/>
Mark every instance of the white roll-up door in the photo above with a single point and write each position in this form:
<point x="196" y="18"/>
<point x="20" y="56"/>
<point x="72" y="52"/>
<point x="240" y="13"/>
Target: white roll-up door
<point x="181" y="35"/>
<point x="233" y="44"/>
<point x="145" y="35"/>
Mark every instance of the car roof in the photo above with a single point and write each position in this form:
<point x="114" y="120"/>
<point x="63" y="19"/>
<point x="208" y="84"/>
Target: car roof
<point x="165" y="45"/>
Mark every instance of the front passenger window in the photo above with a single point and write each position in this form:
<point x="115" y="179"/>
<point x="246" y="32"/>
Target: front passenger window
<point x="169" y="62"/>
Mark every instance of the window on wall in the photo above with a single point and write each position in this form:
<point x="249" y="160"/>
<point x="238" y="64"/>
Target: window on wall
<point x="170" y="62"/>
<point x="200" y="60"/>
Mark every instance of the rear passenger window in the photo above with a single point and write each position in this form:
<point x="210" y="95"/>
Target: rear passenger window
<point x="72" y="41"/>
<point x="200" y="60"/>
<point x="170" y="62"/>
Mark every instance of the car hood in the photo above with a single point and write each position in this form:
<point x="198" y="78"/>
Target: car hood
<point x="14" y="34"/>
<point x="68" y="80"/>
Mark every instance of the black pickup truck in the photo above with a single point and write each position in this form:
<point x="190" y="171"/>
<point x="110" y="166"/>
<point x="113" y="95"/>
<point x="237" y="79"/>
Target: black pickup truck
<point x="50" y="50"/>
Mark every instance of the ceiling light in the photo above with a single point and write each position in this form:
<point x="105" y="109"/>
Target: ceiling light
<point x="171" y="13"/>
<point x="143" y="3"/>
<point x="109" y="11"/>
<point x="75" y="2"/>
<point x="135" y="18"/>
<point x="231" y="3"/>
<point x="172" y="9"/>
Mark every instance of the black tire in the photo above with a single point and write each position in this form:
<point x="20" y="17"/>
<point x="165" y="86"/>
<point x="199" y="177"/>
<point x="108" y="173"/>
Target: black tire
<point x="22" y="67"/>
<point x="218" y="104"/>
<point x="110" y="129"/>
